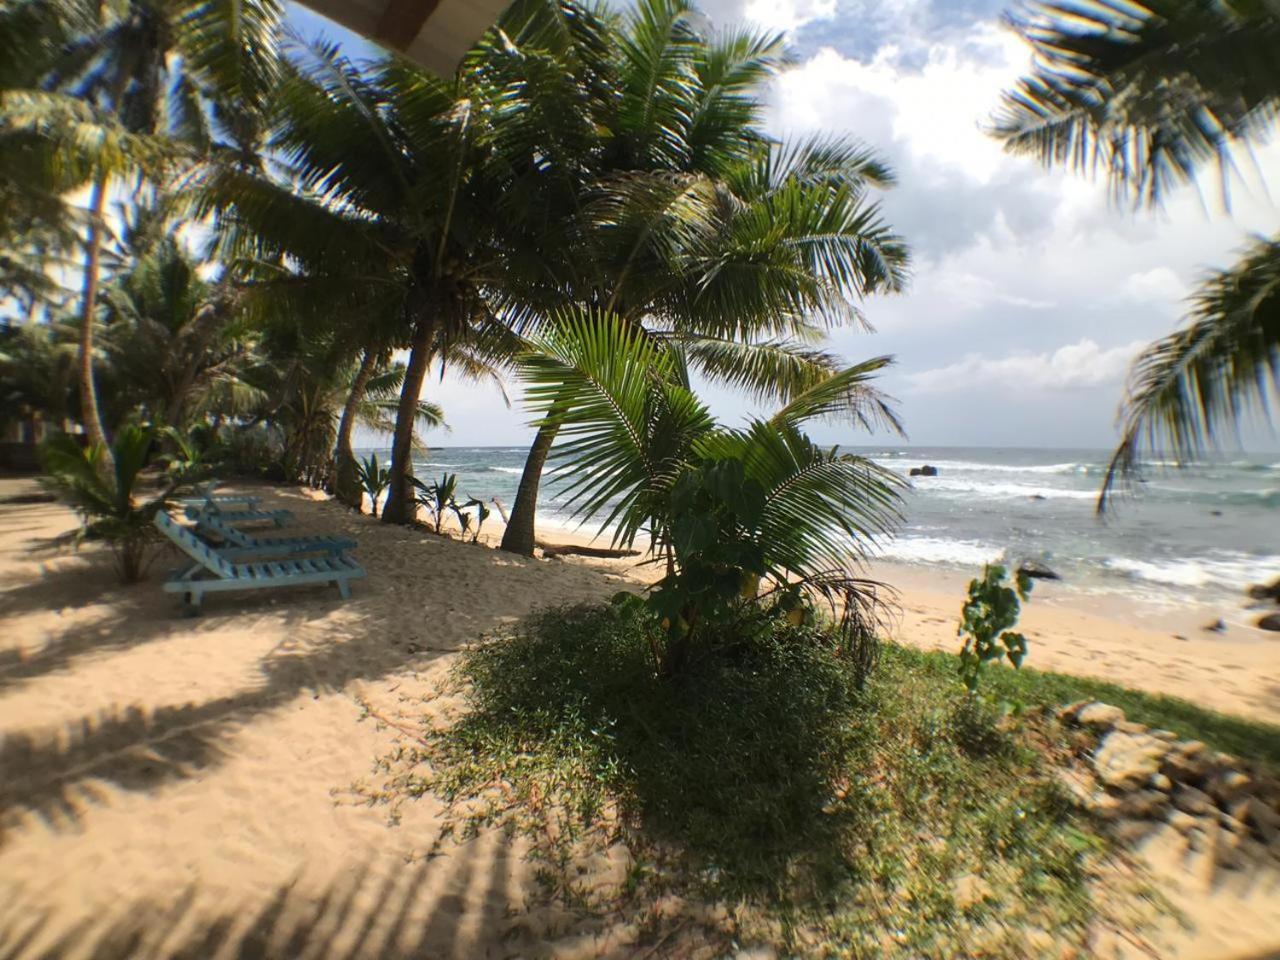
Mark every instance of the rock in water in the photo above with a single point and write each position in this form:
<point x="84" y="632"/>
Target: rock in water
<point x="1037" y="571"/>
<point x="925" y="471"/>
<point x="1265" y="591"/>
<point x="1270" y="622"/>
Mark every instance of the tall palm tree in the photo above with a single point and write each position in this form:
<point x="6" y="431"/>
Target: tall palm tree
<point x="175" y="346"/>
<point x="696" y="226"/>
<point x="382" y="211"/>
<point x="1150" y="92"/>
<point x="187" y="70"/>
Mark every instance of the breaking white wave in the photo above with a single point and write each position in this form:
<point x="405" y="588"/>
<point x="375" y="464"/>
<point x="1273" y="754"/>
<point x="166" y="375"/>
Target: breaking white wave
<point x="1001" y="491"/>
<point x="516" y="470"/>
<point x="1227" y="570"/>
<point x="968" y="553"/>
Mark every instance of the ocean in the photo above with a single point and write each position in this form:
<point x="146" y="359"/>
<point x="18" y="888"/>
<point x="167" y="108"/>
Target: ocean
<point x="1198" y="533"/>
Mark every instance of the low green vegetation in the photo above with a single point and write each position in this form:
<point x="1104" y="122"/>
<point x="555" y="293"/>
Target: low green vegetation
<point x="991" y="609"/>
<point x="1247" y="739"/>
<point x="109" y="490"/>
<point x="900" y="817"/>
<point x="373" y="478"/>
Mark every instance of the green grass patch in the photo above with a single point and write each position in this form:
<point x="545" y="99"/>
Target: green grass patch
<point x="900" y="819"/>
<point x="1247" y="739"/>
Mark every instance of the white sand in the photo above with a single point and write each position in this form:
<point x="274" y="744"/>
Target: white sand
<point x="175" y="787"/>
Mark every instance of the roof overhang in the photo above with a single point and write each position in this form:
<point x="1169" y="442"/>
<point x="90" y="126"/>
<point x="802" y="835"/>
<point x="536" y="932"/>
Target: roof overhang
<point x="433" y="33"/>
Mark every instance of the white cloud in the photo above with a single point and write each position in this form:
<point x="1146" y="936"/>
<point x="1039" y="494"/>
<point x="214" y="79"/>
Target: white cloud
<point x="788" y="15"/>
<point x="1158" y="283"/>
<point x="1075" y="366"/>
<point x="935" y="111"/>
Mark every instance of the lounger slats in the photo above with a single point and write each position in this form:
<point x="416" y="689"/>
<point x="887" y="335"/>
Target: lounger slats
<point x="212" y="572"/>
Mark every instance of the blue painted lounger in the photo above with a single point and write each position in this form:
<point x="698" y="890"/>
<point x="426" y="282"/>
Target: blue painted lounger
<point x="241" y="545"/>
<point x="210" y="573"/>
<point x="201" y="512"/>
<point x="206" y="497"/>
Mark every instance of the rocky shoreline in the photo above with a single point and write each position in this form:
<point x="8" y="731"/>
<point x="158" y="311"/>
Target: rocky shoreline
<point x="1140" y="778"/>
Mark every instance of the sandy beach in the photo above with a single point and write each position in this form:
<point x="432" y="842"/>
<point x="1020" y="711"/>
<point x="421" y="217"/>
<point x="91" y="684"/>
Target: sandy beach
<point x="184" y="787"/>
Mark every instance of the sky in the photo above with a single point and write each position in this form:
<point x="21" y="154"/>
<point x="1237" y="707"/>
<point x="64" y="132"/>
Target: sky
<point x="1031" y="291"/>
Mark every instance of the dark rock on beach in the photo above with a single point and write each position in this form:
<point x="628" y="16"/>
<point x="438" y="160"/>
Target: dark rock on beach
<point x="1270" y="622"/>
<point x="1265" y="591"/>
<point x="925" y="471"/>
<point x="1218" y="626"/>
<point x="1037" y="571"/>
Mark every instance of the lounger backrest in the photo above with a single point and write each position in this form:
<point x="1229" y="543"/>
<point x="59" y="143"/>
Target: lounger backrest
<point x="193" y="546"/>
<point x="226" y="531"/>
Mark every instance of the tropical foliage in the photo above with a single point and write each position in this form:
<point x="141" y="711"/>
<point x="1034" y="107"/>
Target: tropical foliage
<point x="987" y="619"/>
<point x="374" y="478"/>
<point x="281" y="243"/>
<point x="1149" y="93"/>
<point x="108" y="493"/>
<point x="753" y="522"/>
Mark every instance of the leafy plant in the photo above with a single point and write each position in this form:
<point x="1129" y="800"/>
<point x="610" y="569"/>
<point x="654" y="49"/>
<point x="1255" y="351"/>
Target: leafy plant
<point x="437" y="497"/>
<point x="373" y="478"/>
<point x="105" y="491"/>
<point x="750" y="523"/>
<point x="482" y="514"/>
<point x="985" y="620"/>
<point x="464" y="518"/>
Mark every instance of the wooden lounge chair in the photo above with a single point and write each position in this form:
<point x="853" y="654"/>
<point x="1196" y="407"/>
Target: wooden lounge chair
<point x="206" y="496"/>
<point x="209" y="572"/>
<point x="240" y="545"/>
<point x="202" y="511"/>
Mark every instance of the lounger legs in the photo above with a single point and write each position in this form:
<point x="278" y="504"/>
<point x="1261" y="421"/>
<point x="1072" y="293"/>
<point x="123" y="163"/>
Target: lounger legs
<point x="191" y="604"/>
<point x="344" y="589"/>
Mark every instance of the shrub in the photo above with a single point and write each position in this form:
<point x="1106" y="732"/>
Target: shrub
<point x="107" y="498"/>
<point x="373" y="479"/>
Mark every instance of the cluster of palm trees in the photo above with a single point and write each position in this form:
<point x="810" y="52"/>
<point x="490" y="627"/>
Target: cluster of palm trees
<point x="216" y="225"/>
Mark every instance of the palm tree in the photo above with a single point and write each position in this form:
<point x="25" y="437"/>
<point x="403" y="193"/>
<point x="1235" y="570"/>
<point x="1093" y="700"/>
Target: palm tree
<point x="740" y="516"/>
<point x="1150" y="92"/>
<point x="37" y="378"/>
<point x="176" y="348"/>
<point x="385" y="215"/>
<point x="696" y="226"/>
<point x="184" y="70"/>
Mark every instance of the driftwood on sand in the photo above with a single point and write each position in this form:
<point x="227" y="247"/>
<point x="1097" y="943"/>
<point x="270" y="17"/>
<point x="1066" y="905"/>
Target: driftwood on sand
<point x="565" y="549"/>
<point x="569" y="549"/>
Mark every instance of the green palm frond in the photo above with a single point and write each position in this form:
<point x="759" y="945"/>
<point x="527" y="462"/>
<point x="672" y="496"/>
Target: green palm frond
<point x="630" y="430"/>
<point x="1146" y="91"/>
<point x="625" y="424"/>
<point x="823" y="510"/>
<point x="1188" y="388"/>
<point x="845" y="395"/>
<point x="773" y="369"/>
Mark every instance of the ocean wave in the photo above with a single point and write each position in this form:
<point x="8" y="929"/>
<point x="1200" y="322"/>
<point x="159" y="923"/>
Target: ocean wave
<point x="516" y="470"/>
<point x="968" y="553"/>
<point x="970" y="466"/>
<point x="1235" y="571"/>
<point x="1000" y="491"/>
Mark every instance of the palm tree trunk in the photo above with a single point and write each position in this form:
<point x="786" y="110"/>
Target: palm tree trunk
<point x="520" y="535"/>
<point x="346" y="484"/>
<point x="400" y="506"/>
<point x="89" y="413"/>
